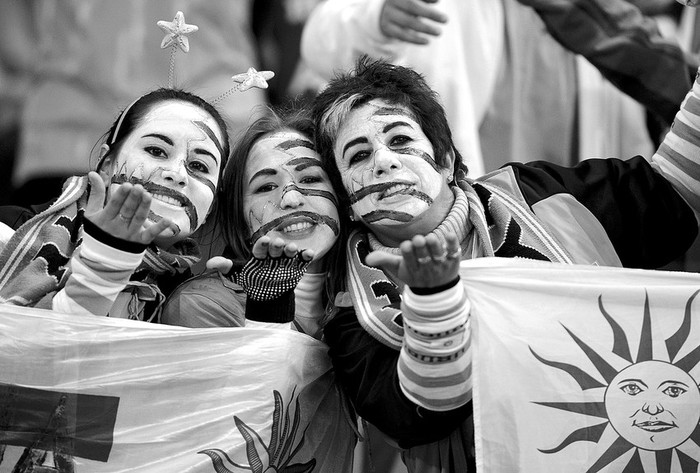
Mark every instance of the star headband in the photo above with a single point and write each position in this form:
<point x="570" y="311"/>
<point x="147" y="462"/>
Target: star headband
<point x="176" y="33"/>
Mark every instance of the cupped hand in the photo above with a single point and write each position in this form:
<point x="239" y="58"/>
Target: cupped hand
<point x="424" y="261"/>
<point x="406" y="20"/>
<point x="124" y="214"/>
<point x="275" y="248"/>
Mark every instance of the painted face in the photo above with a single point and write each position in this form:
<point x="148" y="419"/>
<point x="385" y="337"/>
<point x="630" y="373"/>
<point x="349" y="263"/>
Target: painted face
<point x="387" y="165"/>
<point x="653" y="405"/>
<point x="175" y="153"/>
<point x="288" y="194"/>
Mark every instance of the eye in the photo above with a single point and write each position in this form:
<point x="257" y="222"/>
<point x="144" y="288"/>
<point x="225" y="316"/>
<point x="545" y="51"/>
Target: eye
<point x="359" y="157"/>
<point x="631" y="389"/>
<point x="265" y="188"/>
<point x="673" y="391"/>
<point x="156" y="151"/>
<point x="199" y="167"/>
<point x="311" y="179"/>
<point x="400" y="140"/>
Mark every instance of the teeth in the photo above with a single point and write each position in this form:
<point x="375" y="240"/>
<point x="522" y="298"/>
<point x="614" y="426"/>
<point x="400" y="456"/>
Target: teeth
<point x="296" y="227"/>
<point x="167" y="199"/>
<point x="395" y="189"/>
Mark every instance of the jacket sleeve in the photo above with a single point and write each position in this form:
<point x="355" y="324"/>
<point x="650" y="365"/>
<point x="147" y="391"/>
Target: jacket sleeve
<point x="367" y="371"/>
<point x="625" y="46"/>
<point x="100" y="269"/>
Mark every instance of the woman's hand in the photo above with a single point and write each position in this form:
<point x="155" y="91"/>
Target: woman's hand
<point x="424" y="262"/>
<point x="124" y="214"/>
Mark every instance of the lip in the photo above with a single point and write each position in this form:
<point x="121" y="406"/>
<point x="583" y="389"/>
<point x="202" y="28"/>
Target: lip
<point x="296" y="227"/>
<point x="396" y="189"/>
<point x="654" y="426"/>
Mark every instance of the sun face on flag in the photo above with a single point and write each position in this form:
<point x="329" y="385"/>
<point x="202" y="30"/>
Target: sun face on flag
<point x="652" y="405"/>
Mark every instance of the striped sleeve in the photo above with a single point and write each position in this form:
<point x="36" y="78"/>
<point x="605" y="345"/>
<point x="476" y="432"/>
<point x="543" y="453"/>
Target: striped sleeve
<point x="99" y="272"/>
<point x="678" y="157"/>
<point x="434" y="367"/>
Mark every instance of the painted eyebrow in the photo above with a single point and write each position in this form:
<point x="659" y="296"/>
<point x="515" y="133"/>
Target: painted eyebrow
<point x="354" y="142"/>
<point x="674" y="382"/>
<point x="295" y="143"/>
<point x="303" y="163"/>
<point x="263" y="172"/>
<point x="393" y="125"/>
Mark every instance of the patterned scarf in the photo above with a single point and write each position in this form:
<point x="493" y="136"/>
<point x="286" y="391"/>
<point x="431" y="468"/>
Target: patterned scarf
<point x="489" y="220"/>
<point x="34" y="263"/>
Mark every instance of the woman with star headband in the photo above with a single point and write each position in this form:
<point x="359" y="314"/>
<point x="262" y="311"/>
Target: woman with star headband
<point x="119" y="239"/>
<point x="280" y="220"/>
<point x="400" y="340"/>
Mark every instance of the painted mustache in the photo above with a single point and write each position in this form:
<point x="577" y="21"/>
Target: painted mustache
<point x="378" y="188"/>
<point x="316" y="218"/>
<point x="156" y="189"/>
<point x="377" y="215"/>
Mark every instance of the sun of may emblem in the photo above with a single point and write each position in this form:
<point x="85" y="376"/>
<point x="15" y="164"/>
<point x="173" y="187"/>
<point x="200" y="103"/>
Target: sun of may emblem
<point x="652" y="405"/>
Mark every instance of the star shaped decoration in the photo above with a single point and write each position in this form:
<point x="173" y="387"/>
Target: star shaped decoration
<point x="176" y="32"/>
<point x="252" y="78"/>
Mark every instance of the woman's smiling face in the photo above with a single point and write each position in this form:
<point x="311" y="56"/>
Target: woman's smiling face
<point x="388" y="165"/>
<point x="288" y="194"/>
<point x="176" y="154"/>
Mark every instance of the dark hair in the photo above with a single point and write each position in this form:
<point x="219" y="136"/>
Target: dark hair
<point x="231" y="215"/>
<point x="132" y="116"/>
<point x="378" y="79"/>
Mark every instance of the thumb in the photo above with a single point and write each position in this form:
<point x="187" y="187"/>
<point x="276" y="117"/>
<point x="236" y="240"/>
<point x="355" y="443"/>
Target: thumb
<point x="219" y="263"/>
<point x="96" y="199"/>
<point x="385" y="261"/>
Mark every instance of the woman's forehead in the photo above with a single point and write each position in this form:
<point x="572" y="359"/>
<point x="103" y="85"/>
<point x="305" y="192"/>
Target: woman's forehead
<point x="177" y="111"/>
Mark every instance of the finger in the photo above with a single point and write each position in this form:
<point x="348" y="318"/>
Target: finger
<point x="307" y="255"/>
<point x="261" y="247"/>
<point x="219" y="263"/>
<point x="96" y="199"/>
<point x="116" y="199"/>
<point x="452" y="246"/>
<point x="144" y="206"/>
<point x="276" y="248"/>
<point x="423" y="10"/>
<point x="436" y="248"/>
<point x="420" y="250"/>
<point x="150" y="233"/>
<point x="290" y="250"/>
<point x="131" y="202"/>
<point x="385" y="261"/>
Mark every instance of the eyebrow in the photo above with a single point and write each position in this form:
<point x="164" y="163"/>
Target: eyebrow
<point x="303" y="163"/>
<point x="632" y="379"/>
<point x="393" y="125"/>
<point x="170" y="142"/>
<point x="295" y="143"/>
<point x="263" y="172"/>
<point x="354" y="142"/>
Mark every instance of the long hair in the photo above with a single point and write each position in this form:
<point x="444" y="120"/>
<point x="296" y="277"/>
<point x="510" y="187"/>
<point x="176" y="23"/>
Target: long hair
<point x="231" y="215"/>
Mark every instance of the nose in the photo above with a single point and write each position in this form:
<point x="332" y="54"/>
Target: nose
<point x="176" y="173"/>
<point x="652" y="408"/>
<point x="385" y="162"/>
<point x="291" y="197"/>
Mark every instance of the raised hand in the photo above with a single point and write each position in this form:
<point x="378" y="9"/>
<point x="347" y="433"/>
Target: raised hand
<point x="124" y="214"/>
<point x="275" y="268"/>
<point x="406" y="20"/>
<point x="424" y="261"/>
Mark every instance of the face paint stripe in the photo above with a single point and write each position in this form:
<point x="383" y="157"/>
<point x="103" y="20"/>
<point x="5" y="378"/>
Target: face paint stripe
<point x="419" y="154"/>
<point x="298" y="143"/>
<point x="377" y="215"/>
<point x="377" y="188"/>
<point x="210" y="133"/>
<point x="316" y="218"/>
<point x="311" y="192"/>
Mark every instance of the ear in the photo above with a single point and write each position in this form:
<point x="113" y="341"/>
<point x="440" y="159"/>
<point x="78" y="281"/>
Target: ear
<point x="448" y="169"/>
<point x="106" y="162"/>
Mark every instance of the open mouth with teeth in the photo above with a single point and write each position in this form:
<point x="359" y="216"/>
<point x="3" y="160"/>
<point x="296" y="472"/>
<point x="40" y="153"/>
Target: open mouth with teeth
<point x="296" y="227"/>
<point x="397" y="189"/>
<point x="169" y="200"/>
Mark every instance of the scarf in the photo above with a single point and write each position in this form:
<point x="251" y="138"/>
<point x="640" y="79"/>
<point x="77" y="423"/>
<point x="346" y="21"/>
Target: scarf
<point x="488" y="218"/>
<point x="35" y="261"/>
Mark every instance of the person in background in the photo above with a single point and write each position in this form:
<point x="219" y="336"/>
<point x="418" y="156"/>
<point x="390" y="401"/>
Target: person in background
<point x="116" y="242"/>
<point x="507" y="71"/>
<point x="400" y="336"/>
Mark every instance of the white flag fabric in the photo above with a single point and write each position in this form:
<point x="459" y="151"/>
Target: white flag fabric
<point x="583" y="368"/>
<point x="94" y="394"/>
